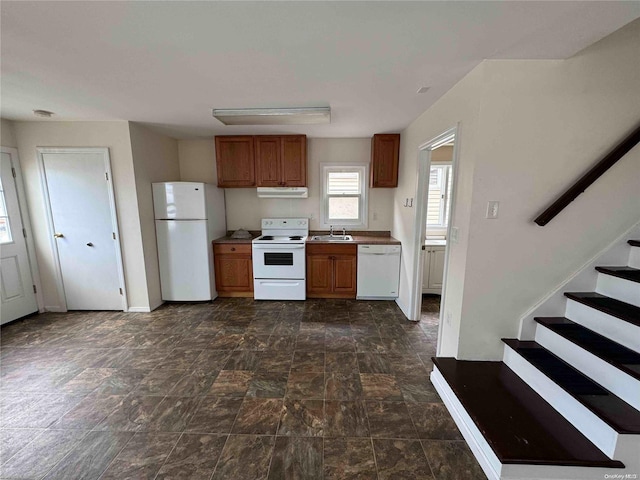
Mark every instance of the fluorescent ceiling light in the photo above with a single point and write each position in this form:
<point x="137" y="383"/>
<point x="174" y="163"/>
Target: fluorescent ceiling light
<point x="273" y="116"/>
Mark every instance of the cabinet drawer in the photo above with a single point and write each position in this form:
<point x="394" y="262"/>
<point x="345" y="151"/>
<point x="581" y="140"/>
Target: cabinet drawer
<point x="332" y="249"/>
<point x="232" y="248"/>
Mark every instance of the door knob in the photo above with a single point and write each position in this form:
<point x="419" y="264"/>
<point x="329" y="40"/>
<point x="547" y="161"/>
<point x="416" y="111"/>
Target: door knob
<point x="58" y="235"/>
<point x="89" y="244"/>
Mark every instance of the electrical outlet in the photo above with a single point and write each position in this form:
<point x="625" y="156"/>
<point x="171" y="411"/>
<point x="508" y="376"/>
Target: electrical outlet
<point x="447" y="318"/>
<point x="375" y="216"/>
<point x="454" y="235"/>
<point x="492" y="209"/>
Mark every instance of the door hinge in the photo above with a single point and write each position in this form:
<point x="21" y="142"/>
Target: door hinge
<point x="13" y="172"/>
<point x="120" y="291"/>
<point x="106" y="175"/>
<point x="24" y="232"/>
<point x="114" y="235"/>
<point x="35" y="290"/>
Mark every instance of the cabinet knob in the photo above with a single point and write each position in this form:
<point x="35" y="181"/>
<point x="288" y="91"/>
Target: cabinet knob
<point x="233" y="249"/>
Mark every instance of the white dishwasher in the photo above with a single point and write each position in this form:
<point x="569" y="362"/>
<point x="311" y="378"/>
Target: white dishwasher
<point x="378" y="272"/>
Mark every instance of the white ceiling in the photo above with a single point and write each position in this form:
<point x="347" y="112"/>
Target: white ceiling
<point x="167" y="64"/>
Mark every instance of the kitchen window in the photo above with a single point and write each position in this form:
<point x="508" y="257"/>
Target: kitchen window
<point x="344" y="190"/>
<point x="439" y="201"/>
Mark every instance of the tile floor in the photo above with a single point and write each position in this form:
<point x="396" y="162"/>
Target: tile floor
<point x="233" y="389"/>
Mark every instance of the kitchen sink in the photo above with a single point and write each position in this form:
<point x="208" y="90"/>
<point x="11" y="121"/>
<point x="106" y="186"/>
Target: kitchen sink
<point x="333" y="238"/>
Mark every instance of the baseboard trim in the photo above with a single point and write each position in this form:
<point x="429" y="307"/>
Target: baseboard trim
<point x="54" y="308"/>
<point x="139" y="309"/>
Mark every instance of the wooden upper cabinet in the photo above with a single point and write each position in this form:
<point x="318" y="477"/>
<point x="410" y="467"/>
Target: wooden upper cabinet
<point x="294" y="160"/>
<point x="385" y="155"/>
<point x="268" y="161"/>
<point x="235" y="161"/>
<point x="281" y="161"/>
<point x="261" y="160"/>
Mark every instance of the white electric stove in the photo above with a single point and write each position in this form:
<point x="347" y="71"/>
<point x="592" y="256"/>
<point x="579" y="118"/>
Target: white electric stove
<point x="279" y="269"/>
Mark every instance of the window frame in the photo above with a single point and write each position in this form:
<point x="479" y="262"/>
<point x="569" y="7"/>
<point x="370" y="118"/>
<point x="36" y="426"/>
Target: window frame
<point x="363" y="170"/>
<point x="446" y="177"/>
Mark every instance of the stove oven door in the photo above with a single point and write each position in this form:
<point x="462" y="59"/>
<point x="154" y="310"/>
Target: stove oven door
<point x="278" y="261"/>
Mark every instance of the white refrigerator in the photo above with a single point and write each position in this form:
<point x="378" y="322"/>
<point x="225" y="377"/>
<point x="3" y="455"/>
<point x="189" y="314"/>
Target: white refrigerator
<point x="189" y="215"/>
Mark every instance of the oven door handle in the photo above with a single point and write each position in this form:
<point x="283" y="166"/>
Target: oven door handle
<point x="283" y="247"/>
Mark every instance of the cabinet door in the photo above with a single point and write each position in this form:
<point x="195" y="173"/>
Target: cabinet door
<point x="235" y="161"/>
<point x="294" y="160"/>
<point x="319" y="274"/>
<point x="385" y="154"/>
<point x="234" y="273"/>
<point x="436" y="267"/>
<point x="268" y="161"/>
<point x="344" y="274"/>
<point x="425" y="269"/>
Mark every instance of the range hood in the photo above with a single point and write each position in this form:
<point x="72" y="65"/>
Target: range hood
<point x="283" y="192"/>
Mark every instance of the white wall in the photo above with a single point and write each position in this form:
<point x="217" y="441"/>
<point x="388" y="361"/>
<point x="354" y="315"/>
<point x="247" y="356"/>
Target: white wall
<point x="460" y="105"/>
<point x="115" y="136"/>
<point x="198" y="160"/>
<point x="538" y="126"/>
<point x="7" y="134"/>
<point x="155" y="159"/>
<point x="245" y="209"/>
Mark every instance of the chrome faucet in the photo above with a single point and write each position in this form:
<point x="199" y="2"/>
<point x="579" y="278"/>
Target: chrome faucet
<point x="331" y="230"/>
<point x="344" y="232"/>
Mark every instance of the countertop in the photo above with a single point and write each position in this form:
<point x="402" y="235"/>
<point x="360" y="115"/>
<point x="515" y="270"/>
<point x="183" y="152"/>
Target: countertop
<point x="435" y="243"/>
<point x="364" y="240"/>
<point x="357" y="239"/>
<point x="228" y="239"/>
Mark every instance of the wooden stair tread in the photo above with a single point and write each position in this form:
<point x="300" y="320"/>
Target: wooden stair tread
<point x="611" y="352"/>
<point x="615" y="412"/>
<point x="634" y="243"/>
<point x="519" y="425"/>
<point x="611" y="306"/>
<point x="627" y="273"/>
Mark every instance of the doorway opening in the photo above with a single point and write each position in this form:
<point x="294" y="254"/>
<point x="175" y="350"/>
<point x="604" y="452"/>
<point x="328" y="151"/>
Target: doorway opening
<point x="433" y="228"/>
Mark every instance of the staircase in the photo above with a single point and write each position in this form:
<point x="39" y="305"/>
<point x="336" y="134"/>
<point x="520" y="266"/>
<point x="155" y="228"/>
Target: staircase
<point x="564" y="404"/>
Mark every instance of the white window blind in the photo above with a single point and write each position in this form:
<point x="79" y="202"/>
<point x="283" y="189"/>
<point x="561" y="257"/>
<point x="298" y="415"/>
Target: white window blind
<point x="439" y="196"/>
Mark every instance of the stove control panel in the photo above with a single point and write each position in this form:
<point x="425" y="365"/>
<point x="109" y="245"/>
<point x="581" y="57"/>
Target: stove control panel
<point x="273" y="223"/>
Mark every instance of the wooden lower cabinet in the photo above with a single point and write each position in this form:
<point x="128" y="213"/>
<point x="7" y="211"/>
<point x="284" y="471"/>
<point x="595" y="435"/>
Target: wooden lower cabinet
<point x="233" y="269"/>
<point x="331" y="271"/>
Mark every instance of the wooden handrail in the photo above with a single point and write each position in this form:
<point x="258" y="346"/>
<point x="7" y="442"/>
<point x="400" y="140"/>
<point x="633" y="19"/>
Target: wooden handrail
<point x="588" y="178"/>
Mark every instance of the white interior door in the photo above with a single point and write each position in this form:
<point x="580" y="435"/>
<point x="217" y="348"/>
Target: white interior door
<point x="84" y="228"/>
<point x="17" y="292"/>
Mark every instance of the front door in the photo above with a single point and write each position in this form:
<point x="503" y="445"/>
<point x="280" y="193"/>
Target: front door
<point x="79" y="188"/>
<point x="17" y="292"/>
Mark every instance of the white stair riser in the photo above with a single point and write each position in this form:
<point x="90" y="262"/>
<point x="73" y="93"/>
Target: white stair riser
<point x="550" y="472"/>
<point x="606" y="325"/>
<point x="619" y="288"/>
<point x="614" y="380"/>
<point x="590" y="425"/>
<point x="611" y="378"/>
<point x="634" y="257"/>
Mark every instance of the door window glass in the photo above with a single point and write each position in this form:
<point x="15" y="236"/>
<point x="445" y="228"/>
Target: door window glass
<point x="5" y="227"/>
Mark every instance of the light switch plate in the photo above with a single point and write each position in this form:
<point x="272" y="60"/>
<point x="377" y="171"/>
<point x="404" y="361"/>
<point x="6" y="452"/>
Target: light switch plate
<point x="454" y="235"/>
<point x="492" y="209"/>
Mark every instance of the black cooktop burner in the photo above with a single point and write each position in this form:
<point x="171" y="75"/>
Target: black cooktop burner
<point x="295" y="237"/>
<point x="266" y="237"/>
